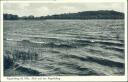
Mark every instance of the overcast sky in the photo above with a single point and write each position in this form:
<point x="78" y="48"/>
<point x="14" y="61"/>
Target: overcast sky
<point x="43" y="9"/>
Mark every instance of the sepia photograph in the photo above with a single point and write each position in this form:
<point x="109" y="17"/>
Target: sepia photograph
<point x="63" y="39"/>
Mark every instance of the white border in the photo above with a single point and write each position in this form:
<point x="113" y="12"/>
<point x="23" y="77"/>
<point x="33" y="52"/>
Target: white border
<point x="67" y="78"/>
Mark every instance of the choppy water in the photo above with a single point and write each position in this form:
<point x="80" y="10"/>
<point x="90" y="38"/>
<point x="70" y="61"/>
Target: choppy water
<point x="65" y="47"/>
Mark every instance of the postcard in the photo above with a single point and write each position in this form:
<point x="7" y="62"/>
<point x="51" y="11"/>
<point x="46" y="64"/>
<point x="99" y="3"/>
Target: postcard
<point x="63" y="40"/>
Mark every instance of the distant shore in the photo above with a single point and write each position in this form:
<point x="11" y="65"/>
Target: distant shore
<point x="85" y="15"/>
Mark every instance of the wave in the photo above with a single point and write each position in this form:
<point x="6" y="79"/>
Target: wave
<point x="53" y="39"/>
<point x="31" y="71"/>
<point x="67" y="44"/>
<point x="73" y="43"/>
<point x="10" y="39"/>
<point x="9" y="63"/>
<point x="79" y="70"/>
<point x="57" y="71"/>
<point x="101" y="61"/>
<point x="105" y="52"/>
<point x="101" y="42"/>
<point x="119" y="49"/>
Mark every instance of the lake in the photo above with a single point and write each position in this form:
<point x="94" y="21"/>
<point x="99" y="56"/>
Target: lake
<point x="64" y="47"/>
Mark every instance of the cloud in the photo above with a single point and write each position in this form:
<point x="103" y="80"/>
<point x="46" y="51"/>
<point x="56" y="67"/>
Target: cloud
<point x="43" y="9"/>
<point x="23" y="6"/>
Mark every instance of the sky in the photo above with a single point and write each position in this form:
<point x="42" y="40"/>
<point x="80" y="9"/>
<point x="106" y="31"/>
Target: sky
<point x="44" y="9"/>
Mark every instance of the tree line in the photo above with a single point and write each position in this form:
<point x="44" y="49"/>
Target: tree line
<point x="101" y="14"/>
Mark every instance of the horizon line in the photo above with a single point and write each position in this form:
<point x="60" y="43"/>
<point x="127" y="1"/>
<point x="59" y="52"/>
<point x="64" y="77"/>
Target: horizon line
<point x="65" y="13"/>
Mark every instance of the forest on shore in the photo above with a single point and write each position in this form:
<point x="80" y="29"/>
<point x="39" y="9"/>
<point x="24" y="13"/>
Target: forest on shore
<point x="101" y="14"/>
